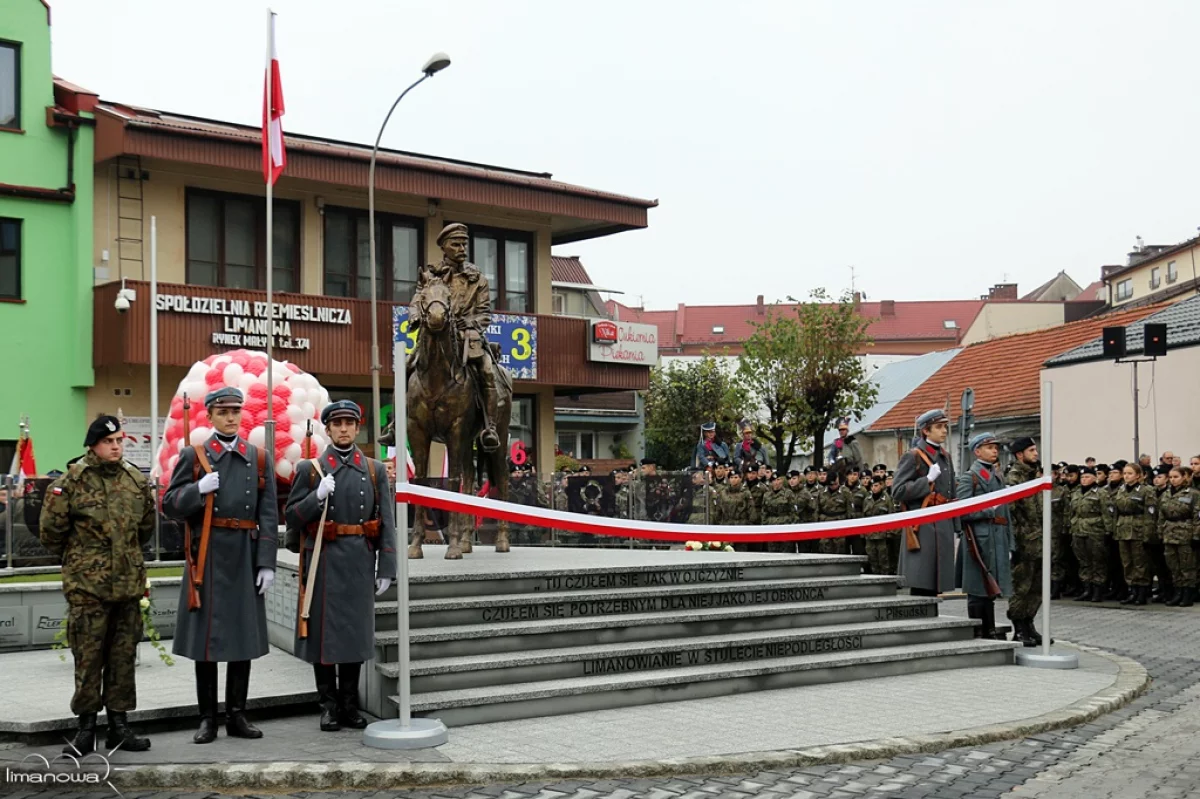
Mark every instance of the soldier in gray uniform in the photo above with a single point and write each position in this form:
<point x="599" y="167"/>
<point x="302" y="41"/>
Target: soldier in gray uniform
<point x="993" y="539"/>
<point x="228" y="481"/>
<point x="357" y="563"/>
<point x="924" y="478"/>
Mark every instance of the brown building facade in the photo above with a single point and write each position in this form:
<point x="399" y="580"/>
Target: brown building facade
<point x="200" y="182"/>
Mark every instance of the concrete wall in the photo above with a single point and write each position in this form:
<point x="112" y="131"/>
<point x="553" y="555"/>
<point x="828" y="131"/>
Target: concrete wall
<point x="1002" y="319"/>
<point x="1167" y="417"/>
<point x="47" y="332"/>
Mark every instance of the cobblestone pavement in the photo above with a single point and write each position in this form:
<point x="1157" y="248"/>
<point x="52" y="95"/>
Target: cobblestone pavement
<point x="1150" y="748"/>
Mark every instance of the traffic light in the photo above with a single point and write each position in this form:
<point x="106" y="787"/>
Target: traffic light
<point x="1114" y="342"/>
<point x="1155" y="338"/>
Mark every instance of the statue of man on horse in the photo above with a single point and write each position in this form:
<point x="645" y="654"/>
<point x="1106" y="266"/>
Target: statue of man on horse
<point x="458" y="393"/>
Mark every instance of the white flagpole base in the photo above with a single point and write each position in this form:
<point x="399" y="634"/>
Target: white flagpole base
<point x="1034" y="658"/>
<point x="419" y="734"/>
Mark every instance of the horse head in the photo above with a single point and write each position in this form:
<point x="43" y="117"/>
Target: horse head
<point x="435" y="306"/>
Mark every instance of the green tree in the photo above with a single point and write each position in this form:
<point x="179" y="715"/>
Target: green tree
<point x="682" y="395"/>
<point x="801" y="364"/>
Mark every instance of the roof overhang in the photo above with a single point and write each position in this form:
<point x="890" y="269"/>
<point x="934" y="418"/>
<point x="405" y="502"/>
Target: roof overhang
<point x="576" y="212"/>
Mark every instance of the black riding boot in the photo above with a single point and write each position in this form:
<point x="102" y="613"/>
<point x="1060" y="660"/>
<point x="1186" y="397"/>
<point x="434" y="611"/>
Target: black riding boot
<point x="1143" y="595"/>
<point x="85" y="739"/>
<point x="327" y="696"/>
<point x="1097" y="592"/>
<point x="119" y="734"/>
<point x="975" y="611"/>
<point x="348" y="715"/>
<point x="1086" y="594"/>
<point x="206" y="700"/>
<point x="1189" y="597"/>
<point x="1132" y="598"/>
<point x="1055" y="589"/>
<point x="237" y="687"/>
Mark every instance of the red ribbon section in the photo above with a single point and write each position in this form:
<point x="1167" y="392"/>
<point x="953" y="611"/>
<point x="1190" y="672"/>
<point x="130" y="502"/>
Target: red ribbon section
<point x="453" y="502"/>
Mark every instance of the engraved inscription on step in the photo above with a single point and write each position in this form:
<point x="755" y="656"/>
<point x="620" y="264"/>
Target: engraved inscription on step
<point x="589" y="582"/>
<point x="891" y="614"/>
<point x="651" y="604"/>
<point x="728" y="654"/>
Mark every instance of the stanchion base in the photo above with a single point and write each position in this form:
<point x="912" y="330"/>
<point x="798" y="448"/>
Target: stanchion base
<point x="419" y="734"/>
<point x="1055" y="660"/>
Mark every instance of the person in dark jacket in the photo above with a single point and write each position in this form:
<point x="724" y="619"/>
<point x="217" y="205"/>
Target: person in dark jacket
<point x="925" y="477"/>
<point x="709" y="447"/>
<point x="993" y="539"/>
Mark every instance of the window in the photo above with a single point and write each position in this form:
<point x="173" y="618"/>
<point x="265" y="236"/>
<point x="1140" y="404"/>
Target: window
<point x="1172" y="272"/>
<point x="560" y="302"/>
<point x="1124" y="289"/>
<point x="718" y="330"/>
<point x="10" y="259"/>
<point x="1155" y="278"/>
<point x="10" y="85"/>
<point x="579" y="445"/>
<point x="227" y="242"/>
<point x="348" y="255"/>
<point x="503" y="257"/>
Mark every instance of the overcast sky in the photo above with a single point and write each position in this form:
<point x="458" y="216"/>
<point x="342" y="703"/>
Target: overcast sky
<point x="938" y="147"/>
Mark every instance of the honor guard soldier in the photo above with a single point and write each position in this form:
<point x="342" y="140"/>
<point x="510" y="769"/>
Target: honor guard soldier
<point x="983" y="555"/>
<point x="224" y="492"/>
<point x="1026" y="517"/>
<point x="97" y="517"/>
<point x="355" y="562"/>
<point x="925" y="478"/>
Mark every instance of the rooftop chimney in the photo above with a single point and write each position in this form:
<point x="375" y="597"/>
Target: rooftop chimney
<point x="857" y="298"/>
<point x="758" y="306"/>
<point x="887" y="308"/>
<point x="1003" y="291"/>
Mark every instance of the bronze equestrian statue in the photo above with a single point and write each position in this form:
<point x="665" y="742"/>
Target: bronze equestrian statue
<point x="458" y="393"/>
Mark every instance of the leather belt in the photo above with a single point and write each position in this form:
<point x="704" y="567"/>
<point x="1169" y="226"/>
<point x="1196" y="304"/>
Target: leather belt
<point x="235" y="524"/>
<point x="333" y="529"/>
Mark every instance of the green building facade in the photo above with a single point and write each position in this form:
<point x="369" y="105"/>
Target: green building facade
<point x="46" y="276"/>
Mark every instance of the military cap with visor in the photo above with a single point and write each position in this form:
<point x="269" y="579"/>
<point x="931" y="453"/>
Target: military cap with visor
<point x="227" y="397"/>
<point x="930" y="418"/>
<point x="982" y="439"/>
<point x="708" y="427"/>
<point x="342" y="409"/>
<point x="100" y="429"/>
<point x="453" y="229"/>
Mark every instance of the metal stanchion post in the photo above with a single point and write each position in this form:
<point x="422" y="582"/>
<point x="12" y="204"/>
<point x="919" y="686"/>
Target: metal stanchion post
<point x="1045" y="659"/>
<point x="8" y="519"/>
<point x="403" y="732"/>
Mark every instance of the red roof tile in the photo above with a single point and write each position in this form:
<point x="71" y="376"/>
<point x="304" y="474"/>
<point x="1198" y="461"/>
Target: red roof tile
<point x="1004" y="372"/>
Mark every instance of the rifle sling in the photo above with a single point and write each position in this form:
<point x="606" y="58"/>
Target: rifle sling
<point x="206" y="528"/>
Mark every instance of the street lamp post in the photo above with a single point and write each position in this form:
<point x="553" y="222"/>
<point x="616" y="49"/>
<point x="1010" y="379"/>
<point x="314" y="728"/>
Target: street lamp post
<point x="434" y="65"/>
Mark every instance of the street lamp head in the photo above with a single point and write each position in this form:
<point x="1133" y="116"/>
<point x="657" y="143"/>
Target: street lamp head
<point x="436" y="63"/>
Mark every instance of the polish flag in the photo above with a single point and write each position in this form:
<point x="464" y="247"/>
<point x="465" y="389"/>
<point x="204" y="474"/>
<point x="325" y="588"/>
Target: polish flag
<point x="28" y="463"/>
<point x="273" y="155"/>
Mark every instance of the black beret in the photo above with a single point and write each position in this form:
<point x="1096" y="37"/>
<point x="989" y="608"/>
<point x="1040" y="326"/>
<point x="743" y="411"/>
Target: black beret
<point x="1119" y="465"/>
<point x="794" y="473"/>
<point x="1103" y="467"/>
<point x="1087" y="470"/>
<point x="649" y="462"/>
<point x="1021" y="444"/>
<point x="102" y="428"/>
<point x="1164" y="469"/>
<point x="1072" y="469"/>
<point x="879" y="467"/>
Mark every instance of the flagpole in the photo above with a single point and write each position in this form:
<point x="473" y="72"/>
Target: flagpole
<point x="269" y="428"/>
<point x="154" y="373"/>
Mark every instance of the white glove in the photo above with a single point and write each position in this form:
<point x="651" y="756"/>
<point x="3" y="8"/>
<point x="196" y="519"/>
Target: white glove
<point x="325" y="487"/>
<point x="382" y="584"/>
<point x="210" y="482"/>
<point x="265" y="578"/>
<point x="935" y="471"/>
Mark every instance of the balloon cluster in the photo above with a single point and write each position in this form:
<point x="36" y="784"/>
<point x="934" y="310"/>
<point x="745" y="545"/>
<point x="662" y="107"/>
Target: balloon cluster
<point x="298" y="397"/>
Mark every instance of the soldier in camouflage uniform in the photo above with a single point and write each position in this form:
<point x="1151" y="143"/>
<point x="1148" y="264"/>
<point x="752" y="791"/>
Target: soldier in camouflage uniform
<point x="859" y="491"/>
<point x="1156" y="553"/>
<point x="779" y="507"/>
<point x="735" y="505"/>
<point x="879" y="502"/>
<point x="1179" y="524"/>
<point x="1117" y="587"/>
<point x="1136" y="507"/>
<point x="1091" y="524"/>
<point x="833" y="503"/>
<point x="624" y="493"/>
<point x="97" y="517"/>
<point x="1061" y="542"/>
<point x="1025" y="517"/>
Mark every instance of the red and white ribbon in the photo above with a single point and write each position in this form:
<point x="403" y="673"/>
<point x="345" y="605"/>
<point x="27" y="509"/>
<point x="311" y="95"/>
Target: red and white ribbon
<point x="662" y="531"/>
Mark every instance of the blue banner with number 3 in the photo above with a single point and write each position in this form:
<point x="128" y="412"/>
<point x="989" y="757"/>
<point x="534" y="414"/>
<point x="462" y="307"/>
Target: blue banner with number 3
<point x="515" y="333"/>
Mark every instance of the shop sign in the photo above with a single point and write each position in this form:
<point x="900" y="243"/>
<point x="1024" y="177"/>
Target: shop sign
<point x="139" y="449"/>
<point x="515" y="333"/>
<point x="633" y="344"/>
<point x="604" y="332"/>
<point x="244" y="323"/>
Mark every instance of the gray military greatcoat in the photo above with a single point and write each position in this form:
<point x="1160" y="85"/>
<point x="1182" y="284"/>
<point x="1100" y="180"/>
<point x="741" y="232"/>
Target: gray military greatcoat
<point x="341" y="621"/>
<point x="992" y="529"/>
<point x="930" y="568"/>
<point x="231" y="622"/>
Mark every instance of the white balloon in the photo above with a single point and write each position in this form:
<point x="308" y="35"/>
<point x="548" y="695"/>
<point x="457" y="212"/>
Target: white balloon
<point x="309" y="411"/>
<point x="262" y="378"/>
<point x="258" y="436"/>
<point x="296" y="431"/>
<point x="233" y="374"/>
<point x="195" y="389"/>
<point x="171" y="461"/>
<point x="200" y="435"/>
<point x="299" y="396"/>
<point x="324" y="397"/>
<point x="283" y="468"/>
<point x="197" y="372"/>
<point x="292" y="453"/>
<point x="296" y="415"/>
<point x="179" y="445"/>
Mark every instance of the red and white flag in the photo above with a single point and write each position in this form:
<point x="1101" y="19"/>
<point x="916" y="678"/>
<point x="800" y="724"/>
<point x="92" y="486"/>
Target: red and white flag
<point x="273" y="154"/>
<point x="28" y="462"/>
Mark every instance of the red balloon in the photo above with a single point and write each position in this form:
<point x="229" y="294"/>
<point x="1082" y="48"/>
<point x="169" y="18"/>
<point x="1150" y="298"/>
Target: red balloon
<point x="215" y="377"/>
<point x="174" y="433"/>
<point x="212" y="358"/>
<point x="240" y="358"/>
<point x="282" y="441"/>
<point x="282" y="392"/>
<point x="255" y="405"/>
<point x="256" y="366"/>
<point x="258" y="391"/>
<point x="295" y="369"/>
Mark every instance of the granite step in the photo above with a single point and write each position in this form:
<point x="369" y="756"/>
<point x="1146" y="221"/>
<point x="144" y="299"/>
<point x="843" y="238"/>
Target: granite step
<point x="523" y="636"/>
<point x="557" y="697"/>
<point x="471" y="671"/>
<point x="588" y="575"/>
<point x="622" y="601"/>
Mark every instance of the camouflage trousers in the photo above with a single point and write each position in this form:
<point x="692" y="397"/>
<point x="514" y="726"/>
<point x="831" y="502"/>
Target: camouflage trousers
<point x="1156" y="564"/>
<point x="879" y="556"/>
<point x="1181" y="559"/>
<point x="1064" y="562"/>
<point x="1134" y="563"/>
<point x="1092" y="553"/>
<point x="835" y="546"/>
<point x="103" y="637"/>
<point x="1027" y="586"/>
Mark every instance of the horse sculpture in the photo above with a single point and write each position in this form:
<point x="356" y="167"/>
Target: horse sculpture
<point x="443" y="406"/>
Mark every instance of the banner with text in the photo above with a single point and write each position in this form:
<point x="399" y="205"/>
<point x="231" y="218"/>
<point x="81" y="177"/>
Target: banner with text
<point x="515" y="333"/>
